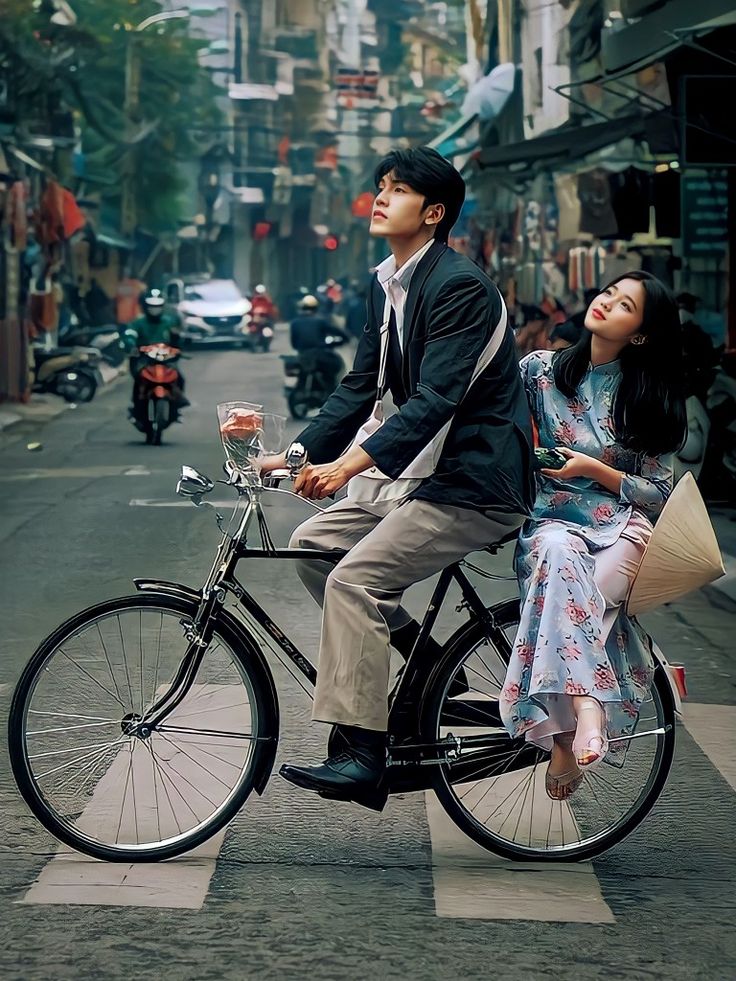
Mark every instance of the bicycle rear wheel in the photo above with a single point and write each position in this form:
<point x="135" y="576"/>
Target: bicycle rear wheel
<point x="496" y="795"/>
<point x="106" y="791"/>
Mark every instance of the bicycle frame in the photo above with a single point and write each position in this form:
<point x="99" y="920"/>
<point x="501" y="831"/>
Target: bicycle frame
<point x="222" y="580"/>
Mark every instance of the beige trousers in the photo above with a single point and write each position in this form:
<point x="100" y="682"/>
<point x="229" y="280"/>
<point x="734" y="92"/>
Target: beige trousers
<point x="361" y="595"/>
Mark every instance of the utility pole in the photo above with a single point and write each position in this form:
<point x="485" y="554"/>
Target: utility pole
<point x="128" y="215"/>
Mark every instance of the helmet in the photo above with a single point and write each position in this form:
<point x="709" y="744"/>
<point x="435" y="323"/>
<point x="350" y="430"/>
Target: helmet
<point x="153" y="302"/>
<point x="309" y="302"/>
<point x="260" y="289"/>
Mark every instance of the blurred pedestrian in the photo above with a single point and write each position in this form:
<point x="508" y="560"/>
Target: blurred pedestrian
<point x="99" y="305"/>
<point x="354" y="309"/>
<point x="700" y="355"/>
<point x="613" y="406"/>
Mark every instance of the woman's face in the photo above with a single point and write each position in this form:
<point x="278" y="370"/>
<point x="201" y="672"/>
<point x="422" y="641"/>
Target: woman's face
<point x="616" y="314"/>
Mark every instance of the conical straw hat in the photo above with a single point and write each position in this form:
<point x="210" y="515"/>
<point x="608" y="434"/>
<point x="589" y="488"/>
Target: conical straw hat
<point x="682" y="554"/>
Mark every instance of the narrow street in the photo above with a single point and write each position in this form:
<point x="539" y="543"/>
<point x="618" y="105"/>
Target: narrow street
<point x="301" y="887"/>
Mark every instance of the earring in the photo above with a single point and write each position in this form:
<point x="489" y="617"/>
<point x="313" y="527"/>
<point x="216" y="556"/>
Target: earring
<point x="639" y="340"/>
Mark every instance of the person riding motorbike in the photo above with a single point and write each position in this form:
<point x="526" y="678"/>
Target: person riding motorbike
<point x="154" y="327"/>
<point x="309" y="331"/>
<point x="263" y="306"/>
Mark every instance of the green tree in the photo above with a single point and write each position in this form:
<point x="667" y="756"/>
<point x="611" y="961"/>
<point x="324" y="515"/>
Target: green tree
<point x="82" y="67"/>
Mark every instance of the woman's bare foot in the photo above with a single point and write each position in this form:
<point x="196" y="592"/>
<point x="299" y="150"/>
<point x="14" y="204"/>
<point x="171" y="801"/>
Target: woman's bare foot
<point x="563" y="775"/>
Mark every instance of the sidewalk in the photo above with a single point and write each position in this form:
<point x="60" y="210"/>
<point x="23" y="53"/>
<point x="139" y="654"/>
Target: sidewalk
<point x="42" y="408"/>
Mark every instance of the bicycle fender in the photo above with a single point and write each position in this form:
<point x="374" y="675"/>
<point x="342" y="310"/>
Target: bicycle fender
<point x="254" y="651"/>
<point x="670" y="674"/>
<point x="170" y="588"/>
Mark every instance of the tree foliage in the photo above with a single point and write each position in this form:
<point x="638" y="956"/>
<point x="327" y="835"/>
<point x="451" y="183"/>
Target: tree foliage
<point x="82" y="68"/>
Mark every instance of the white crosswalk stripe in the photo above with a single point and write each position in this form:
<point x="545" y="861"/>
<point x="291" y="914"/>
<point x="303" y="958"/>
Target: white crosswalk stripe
<point x="74" y="879"/>
<point x="469" y="882"/>
<point x="713" y="727"/>
<point x="472" y="883"/>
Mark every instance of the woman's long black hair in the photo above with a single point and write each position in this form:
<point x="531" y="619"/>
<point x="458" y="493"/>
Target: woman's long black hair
<point x="649" y="406"/>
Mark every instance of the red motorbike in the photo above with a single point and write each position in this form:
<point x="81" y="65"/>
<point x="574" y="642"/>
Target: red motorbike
<point x="259" y="332"/>
<point x="158" y="393"/>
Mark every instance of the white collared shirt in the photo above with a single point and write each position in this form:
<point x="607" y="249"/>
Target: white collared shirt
<point x="395" y="283"/>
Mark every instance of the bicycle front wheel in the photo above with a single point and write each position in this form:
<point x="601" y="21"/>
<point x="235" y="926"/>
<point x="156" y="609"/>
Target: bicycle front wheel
<point x="495" y="791"/>
<point x="89" y="778"/>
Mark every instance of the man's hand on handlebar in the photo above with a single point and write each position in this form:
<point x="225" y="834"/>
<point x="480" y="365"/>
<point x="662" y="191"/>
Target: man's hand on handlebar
<point x="326" y="479"/>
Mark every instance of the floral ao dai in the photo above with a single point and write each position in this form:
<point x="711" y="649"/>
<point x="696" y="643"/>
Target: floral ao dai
<point x="568" y="642"/>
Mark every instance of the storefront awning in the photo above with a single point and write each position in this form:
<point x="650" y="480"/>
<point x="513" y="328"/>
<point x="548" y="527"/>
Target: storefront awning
<point x="661" y="32"/>
<point x="460" y="137"/>
<point x="563" y="145"/>
<point x="114" y="240"/>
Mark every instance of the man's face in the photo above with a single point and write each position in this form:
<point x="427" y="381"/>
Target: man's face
<point x="398" y="210"/>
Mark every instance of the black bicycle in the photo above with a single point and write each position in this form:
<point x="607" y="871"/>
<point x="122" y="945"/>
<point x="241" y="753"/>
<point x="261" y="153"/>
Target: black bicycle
<point x="141" y="725"/>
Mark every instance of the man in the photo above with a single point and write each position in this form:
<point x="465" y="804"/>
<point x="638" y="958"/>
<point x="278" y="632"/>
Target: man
<point x="154" y="327"/>
<point x="442" y="313"/>
<point x="308" y="332"/>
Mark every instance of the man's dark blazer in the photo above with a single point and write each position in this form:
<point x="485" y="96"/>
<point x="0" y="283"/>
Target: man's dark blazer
<point x="451" y="310"/>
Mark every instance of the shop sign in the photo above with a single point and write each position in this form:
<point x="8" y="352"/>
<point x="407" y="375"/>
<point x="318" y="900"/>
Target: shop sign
<point x="705" y="214"/>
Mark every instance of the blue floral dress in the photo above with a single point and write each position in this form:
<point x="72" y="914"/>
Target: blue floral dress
<point x="565" y="644"/>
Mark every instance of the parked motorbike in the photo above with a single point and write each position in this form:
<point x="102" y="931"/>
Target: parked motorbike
<point x="71" y="372"/>
<point x="259" y="333"/>
<point x="157" y="393"/>
<point x="311" y="377"/>
<point x="108" y="341"/>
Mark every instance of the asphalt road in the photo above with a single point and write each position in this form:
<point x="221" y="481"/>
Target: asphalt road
<point x="301" y="887"/>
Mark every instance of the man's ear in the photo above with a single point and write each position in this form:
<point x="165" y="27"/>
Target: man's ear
<point x="434" y="215"/>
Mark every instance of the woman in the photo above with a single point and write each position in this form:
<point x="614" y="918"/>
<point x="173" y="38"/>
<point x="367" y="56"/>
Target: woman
<point x="613" y="404"/>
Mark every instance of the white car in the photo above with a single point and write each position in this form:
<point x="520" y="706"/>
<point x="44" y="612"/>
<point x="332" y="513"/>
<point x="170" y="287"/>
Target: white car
<point x="213" y="312"/>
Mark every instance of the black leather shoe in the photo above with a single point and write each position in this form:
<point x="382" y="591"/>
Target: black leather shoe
<point x="357" y="774"/>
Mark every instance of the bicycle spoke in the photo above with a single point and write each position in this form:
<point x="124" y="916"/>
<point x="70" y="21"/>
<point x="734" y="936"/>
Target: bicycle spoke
<point x="125" y="661"/>
<point x="72" y="715"/>
<point x="91" y="678"/>
<point x="109" y="665"/>
<point x="200" y="765"/>
<point x="85" y="725"/>
<point x="206" y="732"/>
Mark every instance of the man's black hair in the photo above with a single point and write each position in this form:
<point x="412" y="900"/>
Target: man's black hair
<point x="428" y="173"/>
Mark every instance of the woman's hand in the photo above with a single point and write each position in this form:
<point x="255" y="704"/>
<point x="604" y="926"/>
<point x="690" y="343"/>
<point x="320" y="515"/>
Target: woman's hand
<point x="582" y="465"/>
<point x="578" y="465"/>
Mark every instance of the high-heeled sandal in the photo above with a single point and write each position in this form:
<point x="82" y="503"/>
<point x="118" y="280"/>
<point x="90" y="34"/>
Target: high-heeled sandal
<point x="590" y="744"/>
